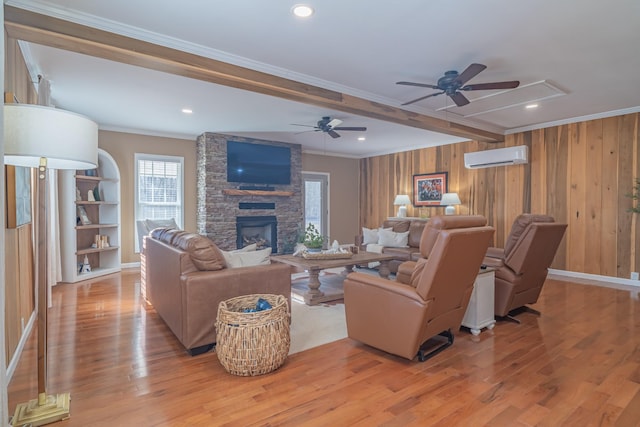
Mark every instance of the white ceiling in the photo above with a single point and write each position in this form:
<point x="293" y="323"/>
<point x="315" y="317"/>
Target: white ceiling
<point x="575" y="58"/>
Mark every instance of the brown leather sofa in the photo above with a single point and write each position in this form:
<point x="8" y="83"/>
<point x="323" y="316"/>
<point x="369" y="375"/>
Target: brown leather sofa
<point x="402" y="318"/>
<point x="184" y="277"/>
<point x="413" y="226"/>
<point x="522" y="266"/>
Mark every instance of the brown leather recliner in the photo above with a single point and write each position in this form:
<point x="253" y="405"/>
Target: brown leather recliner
<point x="399" y="318"/>
<point x="428" y="238"/>
<point x="522" y="266"/>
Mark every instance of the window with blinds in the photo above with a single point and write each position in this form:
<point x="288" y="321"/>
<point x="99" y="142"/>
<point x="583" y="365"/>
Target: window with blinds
<point x="159" y="188"/>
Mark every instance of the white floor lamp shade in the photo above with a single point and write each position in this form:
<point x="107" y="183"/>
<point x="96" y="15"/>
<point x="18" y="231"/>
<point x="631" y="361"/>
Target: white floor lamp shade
<point x="45" y="137"/>
<point x="67" y="140"/>
<point x="450" y="200"/>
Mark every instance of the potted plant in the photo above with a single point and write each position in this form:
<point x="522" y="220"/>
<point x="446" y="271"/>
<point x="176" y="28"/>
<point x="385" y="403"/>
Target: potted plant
<point x="312" y="238"/>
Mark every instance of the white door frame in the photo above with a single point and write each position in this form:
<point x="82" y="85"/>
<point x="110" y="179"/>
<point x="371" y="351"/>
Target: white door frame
<point x="324" y="179"/>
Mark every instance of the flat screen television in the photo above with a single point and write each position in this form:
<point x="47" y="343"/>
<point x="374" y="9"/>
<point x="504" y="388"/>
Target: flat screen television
<point x="258" y="163"/>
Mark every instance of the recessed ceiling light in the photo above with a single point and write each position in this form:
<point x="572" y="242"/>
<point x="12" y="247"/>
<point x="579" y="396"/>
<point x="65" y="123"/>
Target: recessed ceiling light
<point x="302" y="10"/>
<point x="187" y="110"/>
<point x="530" y="106"/>
<point x="361" y="138"/>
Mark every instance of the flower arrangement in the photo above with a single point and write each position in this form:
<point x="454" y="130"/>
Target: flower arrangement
<point x="312" y="238"/>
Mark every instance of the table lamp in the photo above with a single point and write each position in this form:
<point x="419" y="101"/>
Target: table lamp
<point x="450" y="200"/>
<point x="46" y="137"/>
<point x="402" y="200"/>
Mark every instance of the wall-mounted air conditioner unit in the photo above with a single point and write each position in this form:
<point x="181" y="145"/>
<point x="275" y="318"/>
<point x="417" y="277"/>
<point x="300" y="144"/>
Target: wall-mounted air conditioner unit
<point x="498" y="157"/>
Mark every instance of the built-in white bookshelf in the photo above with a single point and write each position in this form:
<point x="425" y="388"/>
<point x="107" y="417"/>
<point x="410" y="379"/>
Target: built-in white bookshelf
<point x="83" y="217"/>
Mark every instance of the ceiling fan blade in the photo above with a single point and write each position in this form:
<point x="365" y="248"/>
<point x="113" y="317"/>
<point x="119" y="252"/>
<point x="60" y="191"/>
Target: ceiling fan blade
<point x="488" y="86"/>
<point x="333" y="133"/>
<point x="459" y="99"/>
<point x="424" y="97"/>
<point x="307" y="126"/>
<point x="471" y="71"/>
<point x="417" y="84"/>
<point x="358" y="128"/>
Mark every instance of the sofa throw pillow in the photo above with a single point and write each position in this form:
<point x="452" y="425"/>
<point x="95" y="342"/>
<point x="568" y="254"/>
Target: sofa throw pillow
<point x="249" y="248"/>
<point x="168" y="235"/>
<point x="236" y="261"/>
<point x="399" y="226"/>
<point x="239" y="258"/>
<point x="204" y="254"/>
<point x="392" y="239"/>
<point x="152" y="224"/>
<point x="371" y="235"/>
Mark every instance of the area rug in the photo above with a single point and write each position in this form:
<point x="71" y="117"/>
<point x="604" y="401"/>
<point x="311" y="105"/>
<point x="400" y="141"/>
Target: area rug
<point x="315" y="325"/>
<point x="312" y="326"/>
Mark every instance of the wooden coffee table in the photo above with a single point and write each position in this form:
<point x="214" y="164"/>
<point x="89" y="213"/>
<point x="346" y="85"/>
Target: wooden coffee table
<point x="311" y="294"/>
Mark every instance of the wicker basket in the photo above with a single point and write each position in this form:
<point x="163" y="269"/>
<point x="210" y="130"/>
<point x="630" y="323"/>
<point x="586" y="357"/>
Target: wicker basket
<point x="255" y="343"/>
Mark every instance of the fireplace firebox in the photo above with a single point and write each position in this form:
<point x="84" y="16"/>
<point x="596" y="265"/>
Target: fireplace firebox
<point x="261" y="230"/>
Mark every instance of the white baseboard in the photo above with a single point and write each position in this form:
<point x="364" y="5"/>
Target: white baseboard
<point x="595" y="279"/>
<point x="130" y="265"/>
<point x="23" y="340"/>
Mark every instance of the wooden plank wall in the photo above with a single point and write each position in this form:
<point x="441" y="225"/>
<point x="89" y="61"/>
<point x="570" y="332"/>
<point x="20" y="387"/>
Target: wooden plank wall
<point x="19" y="285"/>
<point x="580" y="173"/>
<point x="19" y="256"/>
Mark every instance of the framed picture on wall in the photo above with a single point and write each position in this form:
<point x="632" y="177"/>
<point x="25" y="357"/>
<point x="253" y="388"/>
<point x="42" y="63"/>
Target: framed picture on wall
<point x="18" y="193"/>
<point x="428" y="188"/>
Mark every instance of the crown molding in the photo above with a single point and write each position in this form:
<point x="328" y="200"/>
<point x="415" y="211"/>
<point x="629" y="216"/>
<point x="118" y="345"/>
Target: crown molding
<point x="146" y="132"/>
<point x="577" y="119"/>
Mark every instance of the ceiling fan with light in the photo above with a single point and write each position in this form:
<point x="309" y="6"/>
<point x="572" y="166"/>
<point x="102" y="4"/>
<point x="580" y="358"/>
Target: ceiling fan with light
<point x="330" y="126"/>
<point x="452" y="83"/>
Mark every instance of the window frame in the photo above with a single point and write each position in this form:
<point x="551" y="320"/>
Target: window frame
<point x="136" y="202"/>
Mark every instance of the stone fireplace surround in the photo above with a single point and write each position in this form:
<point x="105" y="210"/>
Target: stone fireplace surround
<point x="219" y="203"/>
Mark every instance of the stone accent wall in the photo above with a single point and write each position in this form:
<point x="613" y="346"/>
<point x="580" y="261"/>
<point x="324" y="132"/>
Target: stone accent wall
<point x="217" y="212"/>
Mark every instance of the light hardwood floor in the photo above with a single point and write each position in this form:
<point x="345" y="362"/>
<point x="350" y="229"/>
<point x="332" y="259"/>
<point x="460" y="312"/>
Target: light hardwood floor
<point x="578" y="364"/>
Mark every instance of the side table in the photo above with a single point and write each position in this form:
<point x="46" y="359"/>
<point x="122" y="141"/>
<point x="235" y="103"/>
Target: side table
<point x="480" y="311"/>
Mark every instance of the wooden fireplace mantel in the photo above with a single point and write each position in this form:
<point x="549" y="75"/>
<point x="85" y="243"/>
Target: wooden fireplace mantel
<point x="236" y="192"/>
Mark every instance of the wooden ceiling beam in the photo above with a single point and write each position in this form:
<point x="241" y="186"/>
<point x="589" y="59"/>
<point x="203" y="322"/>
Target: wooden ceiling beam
<point x="32" y="27"/>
